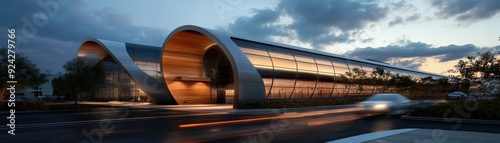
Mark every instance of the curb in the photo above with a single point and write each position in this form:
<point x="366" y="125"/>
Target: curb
<point x="477" y="121"/>
<point x="46" y="111"/>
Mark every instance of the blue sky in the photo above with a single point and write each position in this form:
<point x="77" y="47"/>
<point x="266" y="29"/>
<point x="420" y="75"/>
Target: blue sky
<point x="429" y="35"/>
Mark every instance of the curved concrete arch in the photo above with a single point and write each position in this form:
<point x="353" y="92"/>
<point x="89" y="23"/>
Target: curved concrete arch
<point x="94" y="50"/>
<point x="182" y="55"/>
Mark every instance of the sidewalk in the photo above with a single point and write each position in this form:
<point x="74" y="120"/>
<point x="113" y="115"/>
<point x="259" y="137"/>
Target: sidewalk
<point x="422" y="136"/>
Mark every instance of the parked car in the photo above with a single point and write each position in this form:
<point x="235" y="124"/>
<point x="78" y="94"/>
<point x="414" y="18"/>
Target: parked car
<point x="457" y="95"/>
<point x="24" y="99"/>
<point x="387" y="103"/>
<point x="59" y="99"/>
<point x="46" y="98"/>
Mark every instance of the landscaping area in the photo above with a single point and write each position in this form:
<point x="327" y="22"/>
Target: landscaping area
<point x="299" y="103"/>
<point x="324" y="102"/>
<point x="472" y="109"/>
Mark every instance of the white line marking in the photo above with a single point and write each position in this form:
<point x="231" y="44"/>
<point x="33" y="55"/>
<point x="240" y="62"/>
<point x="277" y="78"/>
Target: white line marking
<point x="371" y="136"/>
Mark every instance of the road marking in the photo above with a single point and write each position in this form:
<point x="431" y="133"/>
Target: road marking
<point x="371" y="136"/>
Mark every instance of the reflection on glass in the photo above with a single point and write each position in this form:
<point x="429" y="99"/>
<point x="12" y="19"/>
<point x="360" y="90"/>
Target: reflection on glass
<point x="147" y="58"/>
<point x="289" y="73"/>
<point x="117" y="85"/>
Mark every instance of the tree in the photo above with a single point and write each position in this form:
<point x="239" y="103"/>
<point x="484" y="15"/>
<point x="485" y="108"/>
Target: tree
<point x="403" y="83"/>
<point x="381" y="77"/>
<point x="426" y="84"/>
<point x="79" y="77"/>
<point x="481" y="70"/>
<point x="60" y="87"/>
<point x="358" y="78"/>
<point x="26" y="73"/>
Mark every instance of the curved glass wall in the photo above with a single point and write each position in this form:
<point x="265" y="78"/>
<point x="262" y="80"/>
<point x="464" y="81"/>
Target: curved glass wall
<point x="290" y="73"/>
<point x="147" y="58"/>
<point x="307" y="76"/>
<point x="341" y="81"/>
<point x="117" y="85"/>
<point x="326" y="78"/>
<point x="284" y="74"/>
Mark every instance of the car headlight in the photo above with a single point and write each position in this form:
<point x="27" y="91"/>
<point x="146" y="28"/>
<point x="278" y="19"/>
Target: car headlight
<point x="380" y="106"/>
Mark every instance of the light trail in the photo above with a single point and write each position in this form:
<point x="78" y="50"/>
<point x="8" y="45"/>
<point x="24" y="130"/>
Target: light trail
<point x="285" y="115"/>
<point x="225" y="122"/>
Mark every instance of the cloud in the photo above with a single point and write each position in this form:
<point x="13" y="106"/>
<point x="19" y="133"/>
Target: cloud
<point x="411" y="63"/>
<point x="466" y="10"/>
<point x="260" y="25"/>
<point x="51" y="55"/>
<point x="410" y="49"/>
<point x="317" y="23"/>
<point x="400" y="20"/>
<point x="65" y="27"/>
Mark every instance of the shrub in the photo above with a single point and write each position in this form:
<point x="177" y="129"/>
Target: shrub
<point x="424" y="97"/>
<point x="478" y="109"/>
<point x="298" y="103"/>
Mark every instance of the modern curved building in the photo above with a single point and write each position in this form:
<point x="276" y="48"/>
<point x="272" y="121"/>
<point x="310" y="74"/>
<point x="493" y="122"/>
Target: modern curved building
<point x="198" y="65"/>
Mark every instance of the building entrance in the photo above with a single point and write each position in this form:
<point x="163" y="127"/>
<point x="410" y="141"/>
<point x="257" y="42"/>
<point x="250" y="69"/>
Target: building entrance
<point x="217" y="67"/>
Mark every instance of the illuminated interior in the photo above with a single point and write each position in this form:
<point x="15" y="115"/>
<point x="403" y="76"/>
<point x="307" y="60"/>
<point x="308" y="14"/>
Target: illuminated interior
<point x="192" y="55"/>
<point x="289" y="73"/>
<point x="117" y="85"/>
<point x="201" y="66"/>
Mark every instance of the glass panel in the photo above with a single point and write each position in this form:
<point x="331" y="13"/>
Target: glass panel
<point x="341" y="81"/>
<point x="116" y="84"/>
<point x="324" y="89"/>
<point x="325" y="66"/>
<point x="340" y="66"/>
<point x="326" y="83"/>
<point x="283" y="60"/>
<point x="285" y="73"/>
<point x="282" y="88"/>
<point x="367" y="68"/>
<point x="259" y="57"/>
<point x="260" y="52"/>
<point x="260" y="61"/>
<point x="307" y="76"/>
<point x="340" y="88"/>
<point x="267" y="84"/>
<point x="306" y="63"/>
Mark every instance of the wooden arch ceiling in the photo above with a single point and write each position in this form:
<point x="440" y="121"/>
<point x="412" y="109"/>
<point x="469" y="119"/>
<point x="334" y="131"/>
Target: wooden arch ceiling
<point x="183" y="59"/>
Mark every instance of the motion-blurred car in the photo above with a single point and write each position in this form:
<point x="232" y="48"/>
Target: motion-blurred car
<point x="387" y="103"/>
<point x="457" y="95"/>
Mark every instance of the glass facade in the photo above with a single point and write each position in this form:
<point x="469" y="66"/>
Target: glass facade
<point x="117" y="85"/>
<point x="147" y="58"/>
<point x="294" y="74"/>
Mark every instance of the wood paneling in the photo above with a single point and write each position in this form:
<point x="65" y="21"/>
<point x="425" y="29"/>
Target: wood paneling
<point x="183" y="57"/>
<point x="92" y="52"/>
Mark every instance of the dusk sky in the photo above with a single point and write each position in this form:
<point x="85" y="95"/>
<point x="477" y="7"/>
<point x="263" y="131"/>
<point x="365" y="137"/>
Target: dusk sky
<point x="428" y="35"/>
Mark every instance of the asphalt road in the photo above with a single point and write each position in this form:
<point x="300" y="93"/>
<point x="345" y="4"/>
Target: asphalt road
<point x="151" y="125"/>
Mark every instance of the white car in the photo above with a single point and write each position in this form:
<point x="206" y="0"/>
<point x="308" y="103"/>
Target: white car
<point x="458" y="95"/>
<point x="387" y="103"/>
